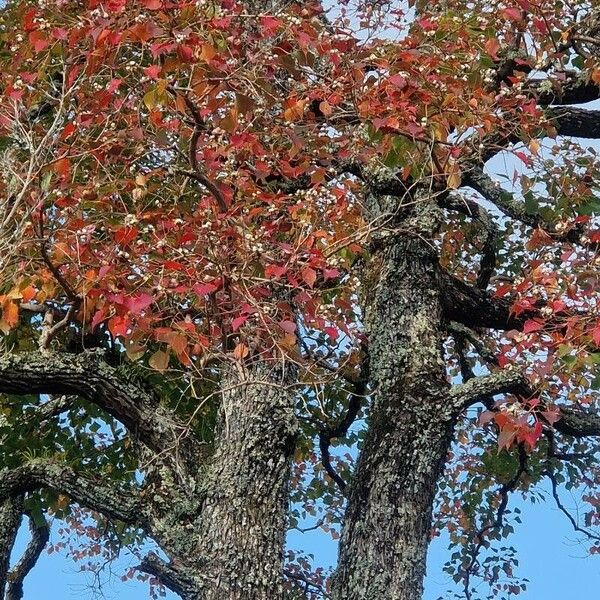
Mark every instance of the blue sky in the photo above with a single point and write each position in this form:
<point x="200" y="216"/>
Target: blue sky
<point x="550" y="555"/>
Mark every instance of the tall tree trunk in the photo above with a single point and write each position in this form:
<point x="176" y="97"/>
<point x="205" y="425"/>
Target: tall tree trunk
<point x="233" y="548"/>
<point x="388" y="519"/>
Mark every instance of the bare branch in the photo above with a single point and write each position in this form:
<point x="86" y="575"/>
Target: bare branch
<point x="562" y="508"/>
<point x="39" y="539"/>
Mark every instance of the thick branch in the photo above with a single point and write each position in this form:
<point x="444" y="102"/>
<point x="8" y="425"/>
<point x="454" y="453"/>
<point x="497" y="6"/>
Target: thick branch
<point x="573" y="90"/>
<point x="88" y="375"/>
<point x="578" y="422"/>
<point x="474" y="307"/>
<point x="578" y="122"/>
<point x="87" y="490"/>
<point x="11" y="511"/>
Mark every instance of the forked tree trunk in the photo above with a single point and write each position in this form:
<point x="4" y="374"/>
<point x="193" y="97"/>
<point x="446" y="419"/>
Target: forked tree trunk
<point x="387" y="524"/>
<point x="233" y="549"/>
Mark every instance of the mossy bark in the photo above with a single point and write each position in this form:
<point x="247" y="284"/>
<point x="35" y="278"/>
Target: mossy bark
<point x="387" y="524"/>
<point x="232" y="547"/>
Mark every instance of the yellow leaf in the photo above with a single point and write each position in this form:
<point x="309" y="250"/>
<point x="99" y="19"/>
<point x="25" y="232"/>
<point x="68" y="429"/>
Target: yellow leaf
<point x="159" y="361"/>
<point x="454" y="177"/>
<point x="534" y="146"/>
<point x="150" y="99"/>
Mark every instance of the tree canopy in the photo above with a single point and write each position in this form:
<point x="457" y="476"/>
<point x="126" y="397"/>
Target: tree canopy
<point x="258" y="273"/>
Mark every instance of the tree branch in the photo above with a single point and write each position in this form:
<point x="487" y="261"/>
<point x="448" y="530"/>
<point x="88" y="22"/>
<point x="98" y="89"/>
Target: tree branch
<point x="578" y="122"/>
<point x="11" y="512"/>
<point x="506" y="381"/>
<point x="39" y="539"/>
<point x="169" y="575"/>
<point x="88" y="375"/>
<point x="472" y="209"/>
<point x="474" y="307"/>
<point x="89" y="491"/>
<point x="578" y="422"/>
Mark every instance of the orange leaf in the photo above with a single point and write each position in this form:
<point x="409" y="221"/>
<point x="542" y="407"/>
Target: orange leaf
<point x="241" y="351"/>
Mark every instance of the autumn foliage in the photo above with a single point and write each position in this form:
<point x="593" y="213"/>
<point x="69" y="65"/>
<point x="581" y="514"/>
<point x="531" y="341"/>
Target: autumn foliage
<point x="187" y="183"/>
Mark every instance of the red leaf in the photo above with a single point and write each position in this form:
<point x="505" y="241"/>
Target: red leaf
<point x="38" y="40"/>
<point x="309" y="275"/>
<point x="274" y="271"/>
<point x="238" y="322"/>
<point x="596" y="334"/>
<point x="153" y="71"/>
<point x="330" y="273"/>
<point x="270" y="25"/>
<point x="98" y="317"/>
<point x="332" y="332"/>
<point x="204" y="289"/>
<point x="125" y="235"/>
<point x="485" y="417"/>
<point x="288" y="326"/>
<point x="512" y="14"/>
<point x="531" y="325"/>
<point x="137" y="304"/>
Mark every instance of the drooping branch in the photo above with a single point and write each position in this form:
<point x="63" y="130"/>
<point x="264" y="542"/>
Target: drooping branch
<point x="563" y="509"/>
<point x="39" y="538"/>
<point x="88" y="375"/>
<point x="168" y="575"/>
<point x="340" y="429"/>
<point x="88" y="490"/>
<point x="472" y="209"/>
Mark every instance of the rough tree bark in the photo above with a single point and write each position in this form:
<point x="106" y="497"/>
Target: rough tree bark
<point x="220" y="519"/>
<point x="234" y="548"/>
<point x="386" y="531"/>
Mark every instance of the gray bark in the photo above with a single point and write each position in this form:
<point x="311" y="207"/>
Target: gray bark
<point x="11" y="513"/>
<point x="230" y="547"/>
<point x="386" y="531"/>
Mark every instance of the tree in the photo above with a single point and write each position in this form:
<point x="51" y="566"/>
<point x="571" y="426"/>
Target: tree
<point x="231" y="229"/>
